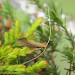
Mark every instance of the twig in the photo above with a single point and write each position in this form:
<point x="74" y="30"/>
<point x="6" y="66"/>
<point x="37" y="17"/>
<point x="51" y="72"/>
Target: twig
<point x="46" y="44"/>
<point x="33" y="58"/>
<point x="70" y="69"/>
<point x="67" y="72"/>
<point x="52" y="52"/>
<point x="73" y="46"/>
<point x="72" y="42"/>
<point x="53" y="62"/>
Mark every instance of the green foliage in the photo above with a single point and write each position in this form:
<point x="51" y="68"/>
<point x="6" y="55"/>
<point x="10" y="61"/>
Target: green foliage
<point x="59" y="33"/>
<point x="68" y="54"/>
<point x="24" y="20"/>
<point x="21" y="69"/>
<point x="11" y="53"/>
<point x="13" y="68"/>
<point x="13" y="34"/>
<point x="55" y="30"/>
<point x="8" y="9"/>
<point x="37" y="66"/>
<point x="34" y="27"/>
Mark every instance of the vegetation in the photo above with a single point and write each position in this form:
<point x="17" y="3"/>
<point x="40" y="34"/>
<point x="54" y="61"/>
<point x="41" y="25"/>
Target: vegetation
<point x="26" y="58"/>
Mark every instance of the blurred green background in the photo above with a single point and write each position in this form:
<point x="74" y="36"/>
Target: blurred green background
<point x="68" y="7"/>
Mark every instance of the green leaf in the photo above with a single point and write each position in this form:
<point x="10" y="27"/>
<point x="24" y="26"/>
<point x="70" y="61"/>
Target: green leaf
<point x="25" y="51"/>
<point x="37" y="66"/>
<point x="56" y="18"/>
<point x="6" y="50"/>
<point x="8" y="9"/>
<point x="13" y="68"/>
<point x="17" y="52"/>
<point x="34" y="27"/>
